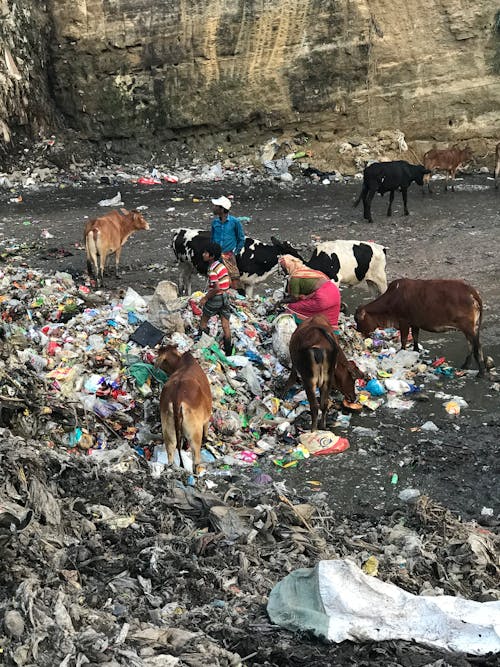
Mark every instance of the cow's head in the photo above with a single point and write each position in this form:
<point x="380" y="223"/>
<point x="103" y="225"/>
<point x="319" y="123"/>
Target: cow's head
<point x="168" y="358"/>
<point x="346" y="374"/>
<point x="365" y="322"/>
<point x="284" y="248"/>
<point x="419" y="173"/>
<point x="467" y="154"/>
<point x="138" y="221"/>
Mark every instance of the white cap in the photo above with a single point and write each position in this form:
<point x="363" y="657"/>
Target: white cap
<point x="222" y="201"/>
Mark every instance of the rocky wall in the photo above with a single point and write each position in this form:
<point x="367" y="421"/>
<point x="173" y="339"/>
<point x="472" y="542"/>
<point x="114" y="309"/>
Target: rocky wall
<point x="26" y="106"/>
<point x="153" y="72"/>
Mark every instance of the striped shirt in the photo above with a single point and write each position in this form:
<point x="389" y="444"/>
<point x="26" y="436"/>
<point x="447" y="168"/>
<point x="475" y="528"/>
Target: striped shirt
<point x="217" y="274"/>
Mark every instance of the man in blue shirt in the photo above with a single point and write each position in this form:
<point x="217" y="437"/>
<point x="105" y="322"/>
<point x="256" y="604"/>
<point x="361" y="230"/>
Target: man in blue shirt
<point x="228" y="233"/>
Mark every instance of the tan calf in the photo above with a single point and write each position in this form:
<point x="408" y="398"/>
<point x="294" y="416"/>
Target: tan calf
<point x="185" y="402"/>
<point x="106" y="235"/>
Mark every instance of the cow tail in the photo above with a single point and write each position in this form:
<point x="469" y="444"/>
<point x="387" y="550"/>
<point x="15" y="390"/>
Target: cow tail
<point x="479" y="304"/>
<point x="333" y="343"/>
<point x="359" y="197"/>
<point x="178" y="420"/>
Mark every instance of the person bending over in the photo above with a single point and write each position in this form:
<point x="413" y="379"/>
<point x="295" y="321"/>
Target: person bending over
<point x="310" y="292"/>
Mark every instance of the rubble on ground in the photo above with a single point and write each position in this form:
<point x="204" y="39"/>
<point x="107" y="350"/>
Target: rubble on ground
<point x="111" y="557"/>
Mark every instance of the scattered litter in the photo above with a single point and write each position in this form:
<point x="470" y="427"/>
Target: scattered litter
<point x="336" y="601"/>
<point x="114" y="201"/>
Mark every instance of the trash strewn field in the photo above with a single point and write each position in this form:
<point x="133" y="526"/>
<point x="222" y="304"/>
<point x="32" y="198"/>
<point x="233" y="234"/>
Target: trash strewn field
<point x="110" y="557"/>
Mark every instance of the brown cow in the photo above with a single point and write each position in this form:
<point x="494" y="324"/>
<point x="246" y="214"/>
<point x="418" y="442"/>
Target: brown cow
<point x="320" y="362"/>
<point x="185" y="402"/>
<point x="448" y="159"/>
<point x="106" y="235"/>
<point x="497" y="165"/>
<point x="431" y="305"/>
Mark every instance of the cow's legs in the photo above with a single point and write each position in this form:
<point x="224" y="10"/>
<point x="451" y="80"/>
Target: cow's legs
<point x="169" y="437"/>
<point x="310" y="388"/>
<point x="323" y="401"/>
<point x="185" y="277"/>
<point x="415" y="332"/>
<point x="367" y="202"/>
<point x="118" y="253"/>
<point x="474" y="347"/>
<point x="391" y="199"/>
<point x="404" y="330"/>
<point x="194" y="434"/>
<point x="100" y="273"/>
<point x="404" y="192"/>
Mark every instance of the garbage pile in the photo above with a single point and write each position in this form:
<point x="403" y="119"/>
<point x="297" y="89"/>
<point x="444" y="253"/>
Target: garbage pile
<point x="110" y="556"/>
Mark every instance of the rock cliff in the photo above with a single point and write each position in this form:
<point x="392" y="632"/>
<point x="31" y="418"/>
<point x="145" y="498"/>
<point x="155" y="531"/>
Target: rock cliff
<point x="235" y="72"/>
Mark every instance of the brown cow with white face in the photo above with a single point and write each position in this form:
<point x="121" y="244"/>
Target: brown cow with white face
<point x="431" y="305"/>
<point x="106" y="235"/>
<point x="321" y="363"/>
<point x="185" y="402"/>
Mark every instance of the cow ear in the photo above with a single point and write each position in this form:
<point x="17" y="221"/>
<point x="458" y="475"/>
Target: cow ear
<point x="124" y="211"/>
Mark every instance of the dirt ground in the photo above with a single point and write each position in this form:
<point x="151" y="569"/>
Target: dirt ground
<point x="447" y="235"/>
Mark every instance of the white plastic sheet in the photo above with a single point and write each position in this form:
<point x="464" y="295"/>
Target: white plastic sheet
<point x="337" y="601"/>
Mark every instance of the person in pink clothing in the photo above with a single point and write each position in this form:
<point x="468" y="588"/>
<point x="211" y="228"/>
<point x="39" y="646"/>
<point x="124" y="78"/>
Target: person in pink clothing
<point x="310" y="292"/>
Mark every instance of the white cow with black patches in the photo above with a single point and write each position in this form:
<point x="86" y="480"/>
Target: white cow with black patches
<point x="257" y="261"/>
<point x="352" y="262"/>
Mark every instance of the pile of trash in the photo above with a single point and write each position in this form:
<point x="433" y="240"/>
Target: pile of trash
<point x="112" y="557"/>
<point x="78" y="373"/>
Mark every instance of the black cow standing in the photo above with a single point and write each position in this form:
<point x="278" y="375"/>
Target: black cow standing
<point x="384" y="177"/>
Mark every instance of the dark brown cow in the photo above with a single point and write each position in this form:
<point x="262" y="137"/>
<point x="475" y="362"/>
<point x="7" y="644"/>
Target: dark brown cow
<point x="447" y="159"/>
<point x="431" y="305"/>
<point x="106" y="235"/>
<point x="185" y="402"/>
<point x="497" y="165"/>
<point x="320" y="362"/>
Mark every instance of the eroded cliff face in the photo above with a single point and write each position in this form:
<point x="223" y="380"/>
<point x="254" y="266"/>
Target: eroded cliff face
<point x="25" y="98"/>
<point x="239" y="70"/>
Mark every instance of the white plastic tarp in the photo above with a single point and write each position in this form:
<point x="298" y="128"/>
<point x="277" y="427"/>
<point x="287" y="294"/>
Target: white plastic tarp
<point x="337" y="601"/>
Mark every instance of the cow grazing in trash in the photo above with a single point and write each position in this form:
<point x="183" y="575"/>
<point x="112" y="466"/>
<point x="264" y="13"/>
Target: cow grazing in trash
<point x="185" y="403"/>
<point x="352" y="262"/>
<point x="321" y="364"/>
<point x="431" y="305"/>
<point x="257" y="261"/>
<point x="385" y="177"/>
<point x="106" y="235"/>
<point x="446" y="159"/>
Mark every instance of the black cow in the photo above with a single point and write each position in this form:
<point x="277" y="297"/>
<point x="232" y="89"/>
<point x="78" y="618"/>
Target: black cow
<point x="256" y="260"/>
<point x="384" y="177"/>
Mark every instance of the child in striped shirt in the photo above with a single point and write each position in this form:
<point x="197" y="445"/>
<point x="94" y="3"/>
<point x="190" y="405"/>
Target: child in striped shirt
<point x="216" y="300"/>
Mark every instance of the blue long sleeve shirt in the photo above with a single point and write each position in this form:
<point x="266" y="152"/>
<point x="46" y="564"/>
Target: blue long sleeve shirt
<point x="229" y="235"/>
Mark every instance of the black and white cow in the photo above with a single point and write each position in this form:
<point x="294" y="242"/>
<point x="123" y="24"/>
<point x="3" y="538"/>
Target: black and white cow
<point x="384" y="177"/>
<point x="257" y="261"/>
<point x="352" y="262"/>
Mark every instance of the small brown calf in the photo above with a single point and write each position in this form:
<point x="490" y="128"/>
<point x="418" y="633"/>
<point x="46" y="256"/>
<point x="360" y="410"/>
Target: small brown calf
<point x="431" y="305"/>
<point x="447" y="159"/>
<point x="320" y="362"/>
<point x="185" y="402"/>
<point x="106" y="235"/>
